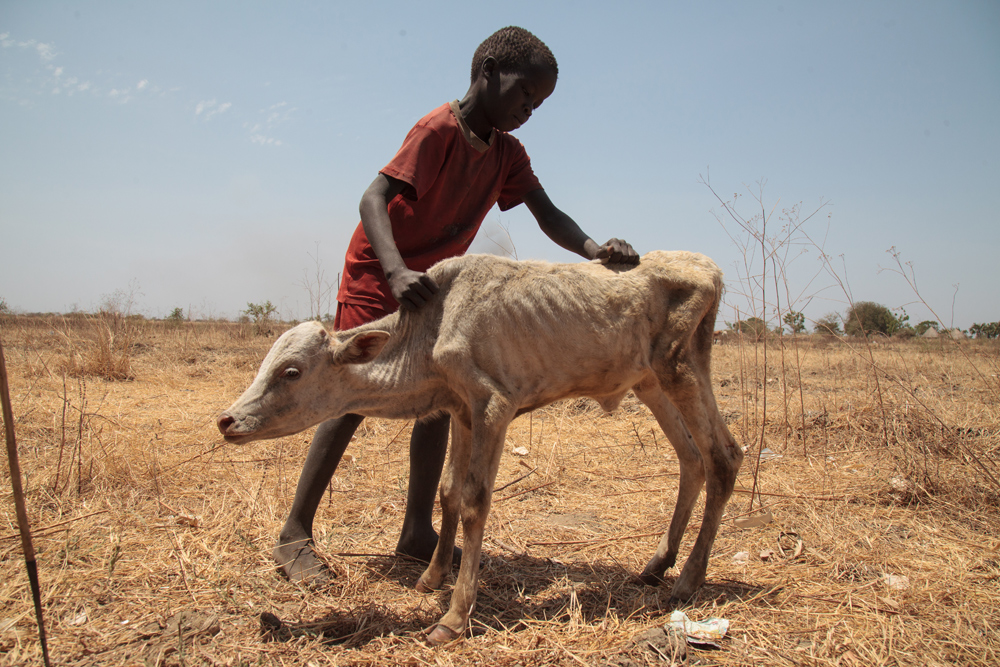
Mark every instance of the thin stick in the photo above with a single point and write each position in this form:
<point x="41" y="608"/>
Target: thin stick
<point x="22" y="514"/>
<point x="196" y="456"/>
<point x="62" y="443"/>
<point x="521" y="493"/>
<point x="743" y="491"/>
<point x="597" y="540"/>
<point x="41" y="531"/>
<point x="527" y="474"/>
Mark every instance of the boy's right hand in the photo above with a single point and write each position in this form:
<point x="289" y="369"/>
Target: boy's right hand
<point x="617" y="251"/>
<point x="412" y="289"/>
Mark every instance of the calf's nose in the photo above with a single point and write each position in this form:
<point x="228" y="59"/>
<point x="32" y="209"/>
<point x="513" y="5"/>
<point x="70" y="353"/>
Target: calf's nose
<point x="224" y="422"/>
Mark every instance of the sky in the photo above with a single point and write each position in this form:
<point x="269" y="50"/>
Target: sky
<point x="207" y="155"/>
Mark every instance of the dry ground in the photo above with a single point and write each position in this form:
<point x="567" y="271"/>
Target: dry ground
<point x="154" y="537"/>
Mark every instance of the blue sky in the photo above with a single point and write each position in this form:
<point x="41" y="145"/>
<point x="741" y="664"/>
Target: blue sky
<point x="200" y="154"/>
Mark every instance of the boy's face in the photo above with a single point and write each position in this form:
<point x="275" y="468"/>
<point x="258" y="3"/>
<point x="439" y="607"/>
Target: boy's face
<point x="513" y="96"/>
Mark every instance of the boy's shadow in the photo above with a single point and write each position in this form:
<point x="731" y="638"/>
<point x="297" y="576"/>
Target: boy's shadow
<point x="513" y="589"/>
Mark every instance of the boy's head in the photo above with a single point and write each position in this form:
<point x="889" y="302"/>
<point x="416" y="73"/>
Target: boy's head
<point x="515" y="50"/>
<point x="513" y="72"/>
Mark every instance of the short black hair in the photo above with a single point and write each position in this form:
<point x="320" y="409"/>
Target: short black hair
<point x="514" y="49"/>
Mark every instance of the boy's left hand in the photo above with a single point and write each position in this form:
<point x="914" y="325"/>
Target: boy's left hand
<point x="617" y="251"/>
<point x="412" y="289"/>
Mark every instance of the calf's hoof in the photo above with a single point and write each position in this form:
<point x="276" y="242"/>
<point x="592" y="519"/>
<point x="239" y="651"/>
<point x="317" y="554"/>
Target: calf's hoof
<point x="440" y="634"/>
<point x="650" y="579"/>
<point x="426" y="584"/>
<point x="674" y="602"/>
<point x="682" y="592"/>
<point x="652" y="574"/>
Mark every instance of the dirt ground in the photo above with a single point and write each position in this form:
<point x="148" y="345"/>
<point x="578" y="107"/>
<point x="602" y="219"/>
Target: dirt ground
<point x="875" y="466"/>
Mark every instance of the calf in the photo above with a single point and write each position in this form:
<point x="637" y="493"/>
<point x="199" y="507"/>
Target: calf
<point x="502" y="338"/>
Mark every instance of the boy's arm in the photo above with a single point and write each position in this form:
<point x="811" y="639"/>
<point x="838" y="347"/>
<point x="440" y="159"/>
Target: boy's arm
<point x="565" y="232"/>
<point x="411" y="289"/>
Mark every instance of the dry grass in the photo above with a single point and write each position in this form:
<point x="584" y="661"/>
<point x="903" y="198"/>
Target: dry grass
<point x="143" y="518"/>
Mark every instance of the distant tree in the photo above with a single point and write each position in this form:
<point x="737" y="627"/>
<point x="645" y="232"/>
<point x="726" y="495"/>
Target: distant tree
<point x="870" y="317"/>
<point x="902" y="320"/>
<point x="828" y="325"/>
<point x="121" y="302"/>
<point x="176" y="316"/>
<point x="4" y="308"/>
<point x="262" y="315"/>
<point x="922" y="328"/>
<point x="752" y="326"/>
<point x="321" y="291"/>
<point x="795" y="321"/>
<point x="988" y="330"/>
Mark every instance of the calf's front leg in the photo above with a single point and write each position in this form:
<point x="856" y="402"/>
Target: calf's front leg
<point x="487" y="446"/>
<point x="452" y="482"/>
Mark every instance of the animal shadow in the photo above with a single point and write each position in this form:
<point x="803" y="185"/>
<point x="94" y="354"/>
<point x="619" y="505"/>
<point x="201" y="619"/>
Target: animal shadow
<point x="513" y="590"/>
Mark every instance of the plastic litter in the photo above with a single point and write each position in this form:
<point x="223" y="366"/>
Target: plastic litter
<point x="755" y="521"/>
<point x="767" y="454"/>
<point x="699" y="633"/>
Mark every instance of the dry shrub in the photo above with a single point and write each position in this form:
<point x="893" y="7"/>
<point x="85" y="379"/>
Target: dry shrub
<point x="104" y="348"/>
<point x="930" y="409"/>
<point x="111" y="358"/>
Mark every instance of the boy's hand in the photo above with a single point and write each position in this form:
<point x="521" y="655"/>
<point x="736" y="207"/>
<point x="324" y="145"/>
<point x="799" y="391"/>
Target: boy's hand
<point x="412" y="289"/>
<point x="617" y="251"/>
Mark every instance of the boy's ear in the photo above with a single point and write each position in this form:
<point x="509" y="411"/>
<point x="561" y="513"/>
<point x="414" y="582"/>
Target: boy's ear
<point x="489" y="67"/>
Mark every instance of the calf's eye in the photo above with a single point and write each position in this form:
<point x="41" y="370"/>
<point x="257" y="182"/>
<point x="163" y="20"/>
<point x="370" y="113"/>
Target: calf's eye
<point x="291" y="373"/>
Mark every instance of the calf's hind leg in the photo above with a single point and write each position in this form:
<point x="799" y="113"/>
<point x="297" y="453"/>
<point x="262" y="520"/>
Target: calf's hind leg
<point x="692" y="478"/>
<point x="721" y="459"/>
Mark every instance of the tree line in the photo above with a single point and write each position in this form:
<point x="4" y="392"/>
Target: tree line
<point x="862" y="318"/>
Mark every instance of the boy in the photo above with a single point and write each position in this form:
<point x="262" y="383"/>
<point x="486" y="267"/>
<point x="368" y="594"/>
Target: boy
<point x="426" y="205"/>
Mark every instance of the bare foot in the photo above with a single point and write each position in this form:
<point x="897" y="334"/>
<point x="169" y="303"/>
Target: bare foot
<point x="299" y="563"/>
<point x="422" y="548"/>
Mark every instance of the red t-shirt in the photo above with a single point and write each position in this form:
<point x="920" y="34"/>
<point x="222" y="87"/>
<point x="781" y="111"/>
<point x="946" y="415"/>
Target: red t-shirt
<point x="455" y="178"/>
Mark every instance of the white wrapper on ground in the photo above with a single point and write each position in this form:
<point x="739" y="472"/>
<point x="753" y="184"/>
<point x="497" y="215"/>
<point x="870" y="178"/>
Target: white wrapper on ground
<point x="699" y="632"/>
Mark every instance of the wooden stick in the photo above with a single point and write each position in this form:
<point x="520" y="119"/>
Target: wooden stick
<point x="596" y="540"/>
<point x="41" y="531"/>
<point x="22" y="514"/>
<point x="527" y="474"/>
<point x="521" y="493"/>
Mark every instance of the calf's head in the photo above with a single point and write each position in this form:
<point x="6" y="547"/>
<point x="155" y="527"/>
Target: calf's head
<point x="303" y="380"/>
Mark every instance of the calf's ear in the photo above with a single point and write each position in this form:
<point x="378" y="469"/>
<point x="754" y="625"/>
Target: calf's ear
<point x="359" y="348"/>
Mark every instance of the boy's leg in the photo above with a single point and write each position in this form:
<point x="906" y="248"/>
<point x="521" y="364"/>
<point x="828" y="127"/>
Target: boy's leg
<point x="428" y="446"/>
<point x="294" y="552"/>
